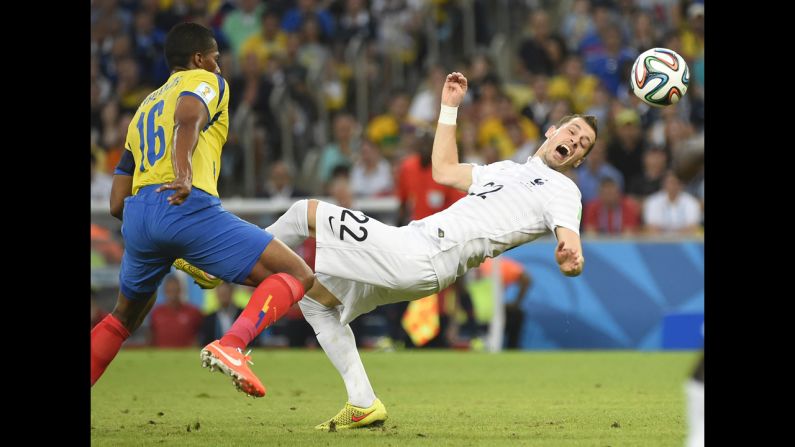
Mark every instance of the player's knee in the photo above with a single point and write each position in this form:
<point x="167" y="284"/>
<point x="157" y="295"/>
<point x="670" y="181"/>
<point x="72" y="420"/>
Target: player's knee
<point x="306" y="277"/>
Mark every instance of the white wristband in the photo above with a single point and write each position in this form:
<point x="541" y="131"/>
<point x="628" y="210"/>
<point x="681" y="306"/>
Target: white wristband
<point x="448" y="115"/>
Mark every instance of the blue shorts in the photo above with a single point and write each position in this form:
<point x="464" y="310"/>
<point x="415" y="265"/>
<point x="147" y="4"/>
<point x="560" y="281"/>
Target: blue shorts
<point x="199" y="230"/>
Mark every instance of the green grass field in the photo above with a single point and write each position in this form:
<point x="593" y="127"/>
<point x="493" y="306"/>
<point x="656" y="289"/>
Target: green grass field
<point x="434" y="398"/>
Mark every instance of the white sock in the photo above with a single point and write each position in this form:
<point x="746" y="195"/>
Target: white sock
<point x="695" y="413"/>
<point x="340" y="346"/>
<point x="292" y="227"/>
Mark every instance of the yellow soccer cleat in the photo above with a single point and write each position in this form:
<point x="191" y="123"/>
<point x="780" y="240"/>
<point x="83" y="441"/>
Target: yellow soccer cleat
<point x="200" y="277"/>
<point x="354" y="417"/>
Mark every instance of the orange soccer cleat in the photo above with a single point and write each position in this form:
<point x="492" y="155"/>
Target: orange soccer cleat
<point x="232" y="362"/>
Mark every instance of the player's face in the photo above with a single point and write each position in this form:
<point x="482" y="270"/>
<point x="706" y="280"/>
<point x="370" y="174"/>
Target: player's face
<point x="566" y="146"/>
<point x="209" y="60"/>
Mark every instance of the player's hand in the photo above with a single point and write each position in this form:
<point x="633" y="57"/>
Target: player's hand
<point x="570" y="260"/>
<point x="455" y="87"/>
<point x="181" y="188"/>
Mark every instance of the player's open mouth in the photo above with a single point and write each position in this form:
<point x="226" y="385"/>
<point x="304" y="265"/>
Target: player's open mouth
<point x="563" y="150"/>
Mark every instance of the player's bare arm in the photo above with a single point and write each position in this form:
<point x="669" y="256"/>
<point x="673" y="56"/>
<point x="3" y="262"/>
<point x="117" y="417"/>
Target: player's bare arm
<point x="446" y="169"/>
<point x="568" y="252"/>
<point x="189" y="116"/>
<point x="121" y="189"/>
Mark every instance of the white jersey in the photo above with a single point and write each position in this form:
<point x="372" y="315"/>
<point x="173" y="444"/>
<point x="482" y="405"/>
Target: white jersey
<point x="366" y="263"/>
<point x="508" y="204"/>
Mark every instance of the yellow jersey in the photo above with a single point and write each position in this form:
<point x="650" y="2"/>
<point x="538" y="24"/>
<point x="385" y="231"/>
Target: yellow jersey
<point x="150" y="136"/>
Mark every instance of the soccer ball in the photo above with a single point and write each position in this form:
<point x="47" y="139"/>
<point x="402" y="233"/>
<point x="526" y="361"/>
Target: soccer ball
<point x="659" y="77"/>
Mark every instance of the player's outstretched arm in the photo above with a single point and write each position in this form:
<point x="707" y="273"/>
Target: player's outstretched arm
<point x="568" y="252"/>
<point x="446" y="169"/>
<point x="189" y="117"/>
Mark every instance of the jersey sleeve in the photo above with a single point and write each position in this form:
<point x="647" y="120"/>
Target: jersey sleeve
<point x="564" y="210"/>
<point x="126" y="165"/>
<point x="210" y="89"/>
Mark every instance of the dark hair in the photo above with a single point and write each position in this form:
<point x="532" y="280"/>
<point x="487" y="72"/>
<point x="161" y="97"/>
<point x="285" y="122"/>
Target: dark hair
<point x="269" y="13"/>
<point x="589" y="119"/>
<point x="607" y="180"/>
<point x="185" y="40"/>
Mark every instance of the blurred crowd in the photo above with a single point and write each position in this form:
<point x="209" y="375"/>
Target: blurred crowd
<point x="340" y="98"/>
<point x="330" y="89"/>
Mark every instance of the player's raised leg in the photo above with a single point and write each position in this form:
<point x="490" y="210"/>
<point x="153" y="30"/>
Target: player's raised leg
<point x="275" y="293"/>
<point x="296" y="224"/>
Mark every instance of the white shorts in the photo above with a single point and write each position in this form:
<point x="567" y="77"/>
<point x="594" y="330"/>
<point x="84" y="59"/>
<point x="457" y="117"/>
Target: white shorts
<point x="365" y="263"/>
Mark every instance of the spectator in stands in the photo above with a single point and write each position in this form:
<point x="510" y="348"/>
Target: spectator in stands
<point x="425" y="105"/>
<point x="399" y="24"/>
<point x="175" y="323"/>
<point x="611" y="213"/>
<point x="672" y="210"/>
<point x="600" y="108"/>
<point x="342" y="149"/>
<point x="625" y="150"/>
<point x="692" y="33"/>
<point x="533" y="52"/>
<point x="612" y="64"/>
<point x="577" y="23"/>
<point x="371" y="175"/>
<point x="541" y="105"/>
<point x="677" y="133"/>
<point x="114" y="137"/>
<point x="596" y="167"/>
<point x="644" y="33"/>
<point x="656" y="131"/>
<point x="340" y="190"/>
<point x="312" y="54"/>
<point x="100" y="183"/>
<point x="294" y="18"/>
<point x="479" y="70"/>
<point x="646" y="183"/>
<point x="497" y="130"/>
<point x="419" y="195"/>
<point x="269" y="41"/>
<point x="603" y="19"/>
<point x="303" y="111"/>
<point x="147" y="43"/>
<point x="574" y="85"/>
<point x="243" y="22"/>
<point x="126" y="60"/>
<point x="384" y="129"/>
<point x="215" y="325"/>
<point x="355" y="21"/>
<point x="560" y="108"/>
<point x="279" y="184"/>
<point x="129" y="90"/>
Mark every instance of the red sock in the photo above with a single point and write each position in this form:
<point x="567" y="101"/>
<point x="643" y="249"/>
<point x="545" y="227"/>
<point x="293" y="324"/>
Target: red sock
<point x="106" y="339"/>
<point x="269" y="302"/>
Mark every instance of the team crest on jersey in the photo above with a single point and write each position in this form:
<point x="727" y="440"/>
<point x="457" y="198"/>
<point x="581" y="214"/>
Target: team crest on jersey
<point x="206" y="92"/>
<point x="536" y="182"/>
